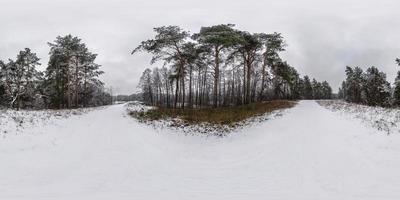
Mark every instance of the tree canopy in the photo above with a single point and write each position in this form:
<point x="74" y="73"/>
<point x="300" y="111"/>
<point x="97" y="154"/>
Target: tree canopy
<point x="69" y="81"/>
<point x="221" y="66"/>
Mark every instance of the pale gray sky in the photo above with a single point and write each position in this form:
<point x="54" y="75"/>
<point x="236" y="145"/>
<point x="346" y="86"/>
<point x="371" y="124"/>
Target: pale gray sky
<point x="323" y="35"/>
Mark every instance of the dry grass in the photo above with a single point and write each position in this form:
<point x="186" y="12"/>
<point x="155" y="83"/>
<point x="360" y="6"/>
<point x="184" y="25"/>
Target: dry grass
<point x="218" y="116"/>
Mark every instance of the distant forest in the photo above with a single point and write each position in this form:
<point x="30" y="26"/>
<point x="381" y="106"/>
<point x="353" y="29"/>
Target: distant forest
<point x="125" y="98"/>
<point x="221" y="66"/>
<point x="69" y="81"/>
<point x="370" y="87"/>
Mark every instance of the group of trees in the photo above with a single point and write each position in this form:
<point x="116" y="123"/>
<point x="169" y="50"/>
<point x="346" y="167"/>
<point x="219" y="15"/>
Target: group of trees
<point x="370" y="87"/>
<point x="69" y="81"/>
<point x="221" y="66"/>
<point x="125" y="98"/>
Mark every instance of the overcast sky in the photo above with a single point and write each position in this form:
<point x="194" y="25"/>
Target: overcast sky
<point x="323" y="36"/>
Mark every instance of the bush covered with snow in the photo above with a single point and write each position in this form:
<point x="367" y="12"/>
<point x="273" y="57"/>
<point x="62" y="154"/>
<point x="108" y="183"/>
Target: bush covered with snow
<point x="383" y="119"/>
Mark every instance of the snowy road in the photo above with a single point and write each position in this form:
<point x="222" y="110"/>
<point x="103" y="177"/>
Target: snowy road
<point x="309" y="153"/>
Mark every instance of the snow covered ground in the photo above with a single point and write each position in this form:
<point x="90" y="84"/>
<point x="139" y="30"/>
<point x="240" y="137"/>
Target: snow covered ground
<point x="14" y="122"/>
<point x="309" y="153"/>
<point x="386" y="120"/>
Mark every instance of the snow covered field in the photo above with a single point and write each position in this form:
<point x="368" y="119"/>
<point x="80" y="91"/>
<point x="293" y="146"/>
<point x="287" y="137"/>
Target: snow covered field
<point x="308" y="153"/>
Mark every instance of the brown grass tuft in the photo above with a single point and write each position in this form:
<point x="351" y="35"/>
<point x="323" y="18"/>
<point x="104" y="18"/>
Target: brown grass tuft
<point x="218" y="116"/>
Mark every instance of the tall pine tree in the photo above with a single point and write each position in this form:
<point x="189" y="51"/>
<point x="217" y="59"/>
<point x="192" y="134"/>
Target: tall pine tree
<point x="72" y="74"/>
<point x="168" y="46"/>
<point x="216" y="39"/>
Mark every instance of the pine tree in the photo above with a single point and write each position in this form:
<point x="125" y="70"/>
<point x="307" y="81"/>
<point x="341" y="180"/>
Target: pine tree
<point x="396" y="94"/>
<point x="376" y="88"/>
<point x="342" y="91"/>
<point x="3" y="92"/>
<point x="216" y="39"/>
<point x="296" y="85"/>
<point x="221" y="66"/>
<point x="89" y="84"/>
<point x="21" y="78"/>
<point x="145" y="84"/>
<point x="308" y="89"/>
<point x="248" y="46"/>
<point x="285" y="80"/>
<point x="72" y="74"/>
<point x="354" y="84"/>
<point x="326" y="90"/>
<point x="168" y="45"/>
<point x="316" y="88"/>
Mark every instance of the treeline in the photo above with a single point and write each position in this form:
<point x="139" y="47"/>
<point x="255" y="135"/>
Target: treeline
<point x="132" y="97"/>
<point x="69" y="81"/>
<point x="221" y="66"/>
<point x="370" y="87"/>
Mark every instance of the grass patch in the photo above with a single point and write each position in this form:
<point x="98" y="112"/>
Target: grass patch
<point x="217" y="116"/>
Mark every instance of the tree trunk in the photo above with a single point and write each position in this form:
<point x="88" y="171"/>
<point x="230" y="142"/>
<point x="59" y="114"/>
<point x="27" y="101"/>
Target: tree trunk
<point x="244" y="81"/>
<point x="205" y="91"/>
<point x="248" y="96"/>
<point x="263" y="80"/>
<point x="68" y="91"/>
<point x="167" y="90"/>
<point x="76" y="83"/>
<point x="233" y="87"/>
<point x="190" y="87"/>
<point x="176" y="92"/>
<point x="183" y="91"/>
<point x="216" y="76"/>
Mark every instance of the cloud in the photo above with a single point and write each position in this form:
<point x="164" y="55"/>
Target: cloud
<point x="323" y="36"/>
